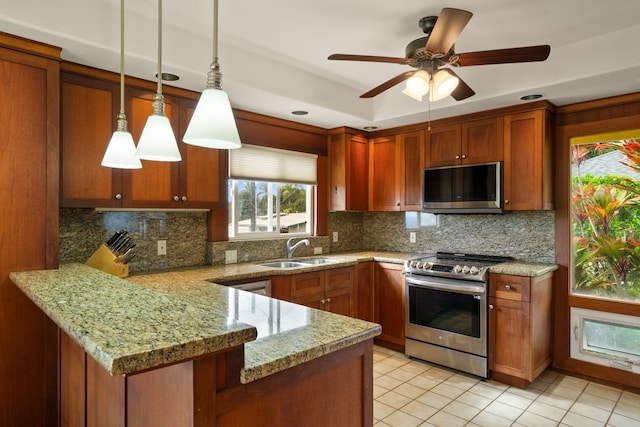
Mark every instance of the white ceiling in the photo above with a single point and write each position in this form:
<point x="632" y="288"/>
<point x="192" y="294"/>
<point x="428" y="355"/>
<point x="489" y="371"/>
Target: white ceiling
<point x="274" y="53"/>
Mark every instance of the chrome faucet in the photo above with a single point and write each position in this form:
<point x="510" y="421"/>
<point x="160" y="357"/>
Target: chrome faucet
<point x="291" y="249"/>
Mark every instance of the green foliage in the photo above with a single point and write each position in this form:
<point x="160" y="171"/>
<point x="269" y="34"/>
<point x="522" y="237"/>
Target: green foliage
<point x="606" y="227"/>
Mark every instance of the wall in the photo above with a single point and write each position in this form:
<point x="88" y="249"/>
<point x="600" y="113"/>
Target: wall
<point x="527" y="236"/>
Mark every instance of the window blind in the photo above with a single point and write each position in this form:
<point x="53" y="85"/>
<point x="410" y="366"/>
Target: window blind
<point x="255" y="163"/>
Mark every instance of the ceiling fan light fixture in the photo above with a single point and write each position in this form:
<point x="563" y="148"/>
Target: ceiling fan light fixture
<point x="417" y="85"/>
<point x="443" y="84"/>
<point x="213" y="124"/>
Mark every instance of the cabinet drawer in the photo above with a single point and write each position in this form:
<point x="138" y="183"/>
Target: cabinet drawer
<point x="517" y="288"/>
<point x="339" y="278"/>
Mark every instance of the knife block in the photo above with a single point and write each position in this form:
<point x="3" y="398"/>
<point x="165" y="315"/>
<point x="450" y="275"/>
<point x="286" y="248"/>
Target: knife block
<point x="103" y="259"/>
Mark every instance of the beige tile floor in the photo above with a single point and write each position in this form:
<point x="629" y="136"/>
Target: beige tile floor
<point x="410" y="393"/>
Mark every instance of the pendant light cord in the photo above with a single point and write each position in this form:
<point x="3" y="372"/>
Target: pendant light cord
<point x="122" y="118"/>
<point x="215" y="29"/>
<point x="158" y="103"/>
<point x="214" y="76"/>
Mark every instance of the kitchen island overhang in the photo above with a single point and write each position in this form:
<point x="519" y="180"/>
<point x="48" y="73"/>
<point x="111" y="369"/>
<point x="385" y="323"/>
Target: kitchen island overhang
<point x="165" y="330"/>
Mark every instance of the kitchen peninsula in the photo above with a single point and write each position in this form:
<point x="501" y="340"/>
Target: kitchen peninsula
<point x="178" y="350"/>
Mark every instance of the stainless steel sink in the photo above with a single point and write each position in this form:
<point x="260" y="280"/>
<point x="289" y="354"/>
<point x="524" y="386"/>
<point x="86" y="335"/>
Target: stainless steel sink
<point x="284" y="264"/>
<point x="317" y="261"/>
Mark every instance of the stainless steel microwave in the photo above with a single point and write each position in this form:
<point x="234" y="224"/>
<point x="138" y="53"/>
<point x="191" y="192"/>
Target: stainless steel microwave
<point x="473" y="188"/>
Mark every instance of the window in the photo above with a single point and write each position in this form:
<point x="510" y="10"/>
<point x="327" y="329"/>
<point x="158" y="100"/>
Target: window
<point x="271" y="192"/>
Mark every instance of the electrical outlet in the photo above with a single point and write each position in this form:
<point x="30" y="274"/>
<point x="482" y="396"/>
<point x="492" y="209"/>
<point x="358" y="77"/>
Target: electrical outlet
<point x="317" y="250"/>
<point x="230" y="257"/>
<point x="412" y="237"/>
<point x="162" y="247"/>
<point x="335" y="237"/>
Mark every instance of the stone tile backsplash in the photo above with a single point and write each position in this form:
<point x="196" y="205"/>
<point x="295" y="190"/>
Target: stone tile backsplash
<point x="526" y="236"/>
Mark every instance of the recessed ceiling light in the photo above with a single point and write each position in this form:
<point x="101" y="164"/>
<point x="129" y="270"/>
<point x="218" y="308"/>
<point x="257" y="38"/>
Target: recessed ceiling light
<point x="299" y="113"/>
<point x="169" y="77"/>
<point x="370" y="128"/>
<point x="531" y="97"/>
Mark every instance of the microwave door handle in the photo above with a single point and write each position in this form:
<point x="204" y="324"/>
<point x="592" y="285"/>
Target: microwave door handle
<point x="462" y="289"/>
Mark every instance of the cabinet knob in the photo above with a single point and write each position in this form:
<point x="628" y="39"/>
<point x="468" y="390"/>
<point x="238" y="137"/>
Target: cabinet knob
<point x="118" y="196"/>
<point x="457" y="157"/>
<point x="506" y="202"/>
<point x="507" y="287"/>
<point x="328" y="299"/>
<point x="176" y="198"/>
<point x="184" y="198"/>
<point x="464" y="156"/>
<point x="322" y="301"/>
<point x="490" y="306"/>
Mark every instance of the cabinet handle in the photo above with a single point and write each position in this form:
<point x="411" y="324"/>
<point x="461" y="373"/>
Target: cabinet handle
<point x="118" y="196"/>
<point x="464" y="156"/>
<point x="507" y="287"/>
<point x="490" y="306"/>
<point x="176" y="198"/>
<point x="184" y="198"/>
<point x="457" y="157"/>
<point x="506" y="202"/>
<point x="328" y="299"/>
<point x="322" y="301"/>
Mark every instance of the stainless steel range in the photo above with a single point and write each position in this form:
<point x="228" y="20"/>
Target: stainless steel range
<point x="446" y="304"/>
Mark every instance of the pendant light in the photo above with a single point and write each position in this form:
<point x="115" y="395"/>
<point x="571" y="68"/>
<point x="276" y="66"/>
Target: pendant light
<point x="121" y="149"/>
<point x="212" y="124"/>
<point x="157" y="141"/>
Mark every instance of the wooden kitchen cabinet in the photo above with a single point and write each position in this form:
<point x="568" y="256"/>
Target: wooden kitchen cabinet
<point x="413" y="153"/>
<point x="520" y="327"/>
<point x="528" y="161"/>
<point x="389" y="310"/>
<point x="469" y="142"/>
<point x="348" y="172"/>
<point x="364" y="291"/>
<point x="385" y="173"/>
<point x="29" y="168"/>
<point x="329" y="290"/>
<point x="89" y="109"/>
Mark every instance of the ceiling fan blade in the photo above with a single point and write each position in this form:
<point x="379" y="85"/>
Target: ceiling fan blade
<point x="367" y="58"/>
<point x="448" y="27"/>
<point x="462" y="91"/>
<point x="388" y="84"/>
<point x="505" y="56"/>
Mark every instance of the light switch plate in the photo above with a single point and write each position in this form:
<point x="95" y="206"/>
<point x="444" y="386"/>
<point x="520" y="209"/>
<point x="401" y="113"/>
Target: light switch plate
<point x="335" y="236"/>
<point x="162" y="247"/>
<point x="412" y="237"/>
<point x="231" y="257"/>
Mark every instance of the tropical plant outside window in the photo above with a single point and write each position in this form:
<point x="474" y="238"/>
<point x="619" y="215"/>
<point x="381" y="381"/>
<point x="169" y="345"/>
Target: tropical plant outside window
<point x="605" y="208"/>
<point x="260" y="209"/>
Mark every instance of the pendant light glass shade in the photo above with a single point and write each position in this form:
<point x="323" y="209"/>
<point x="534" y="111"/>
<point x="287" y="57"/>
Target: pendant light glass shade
<point x="157" y="141"/>
<point x="121" y="150"/>
<point x="212" y="124"/>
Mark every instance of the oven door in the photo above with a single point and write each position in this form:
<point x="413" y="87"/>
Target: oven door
<point x="449" y="313"/>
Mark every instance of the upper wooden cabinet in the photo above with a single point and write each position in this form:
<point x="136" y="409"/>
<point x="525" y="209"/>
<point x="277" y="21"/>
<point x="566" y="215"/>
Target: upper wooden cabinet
<point x="348" y="172"/>
<point x="385" y="173"/>
<point x="476" y="141"/>
<point x="89" y="110"/>
<point x="528" y="161"/>
<point x="413" y="153"/>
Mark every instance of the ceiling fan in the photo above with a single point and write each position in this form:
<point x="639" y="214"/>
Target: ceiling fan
<point x="434" y="57"/>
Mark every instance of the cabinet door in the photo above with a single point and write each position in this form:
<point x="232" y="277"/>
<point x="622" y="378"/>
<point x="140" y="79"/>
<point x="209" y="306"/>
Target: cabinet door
<point x="482" y="141"/>
<point x="363" y="290"/>
<point x="200" y="169"/>
<point x="443" y="146"/>
<point x="340" y="301"/>
<point x="89" y="110"/>
<point x="306" y="284"/>
<point x="339" y="278"/>
<point x="390" y="302"/>
<point x="385" y="174"/>
<point x="312" y="300"/>
<point x="509" y="346"/>
<point x="528" y="161"/>
<point x="413" y="148"/>
<point x="348" y="172"/>
<point x="156" y="184"/>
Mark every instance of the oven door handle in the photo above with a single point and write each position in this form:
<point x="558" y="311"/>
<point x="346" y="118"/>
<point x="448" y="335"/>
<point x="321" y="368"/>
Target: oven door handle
<point x="435" y="284"/>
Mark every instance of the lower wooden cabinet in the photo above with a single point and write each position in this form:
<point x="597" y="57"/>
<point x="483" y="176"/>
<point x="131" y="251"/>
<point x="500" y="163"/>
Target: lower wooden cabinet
<point x="389" y="310"/>
<point x="363" y="290"/>
<point x="330" y="290"/>
<point x="520" y="327"/>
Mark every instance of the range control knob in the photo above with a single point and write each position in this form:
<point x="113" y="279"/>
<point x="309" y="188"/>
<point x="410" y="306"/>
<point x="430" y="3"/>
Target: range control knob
<point x="426" y="266"/>
<point x="474" y="270"/>
<point x="465" y="270"/>
<point x="457" y="269"/>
